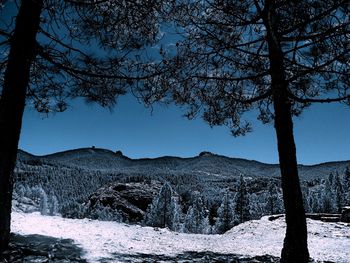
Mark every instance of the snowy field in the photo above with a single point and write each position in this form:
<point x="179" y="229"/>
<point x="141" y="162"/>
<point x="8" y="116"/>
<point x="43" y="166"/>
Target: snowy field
<point x="327" y="241"/>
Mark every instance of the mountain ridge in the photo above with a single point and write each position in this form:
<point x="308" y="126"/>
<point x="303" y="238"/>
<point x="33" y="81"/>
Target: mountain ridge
<point x="119" y="153"/>
<point x="205" y="162"/>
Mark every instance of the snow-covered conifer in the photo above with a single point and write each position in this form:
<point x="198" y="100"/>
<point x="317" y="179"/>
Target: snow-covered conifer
<point x="274" y="203"/>
<point x="242" y="202"/>
<point x="53" y="205"/>
<point x="338" y="192"/>
<point x="161" y="212"/>
<point x="43" y="201"/>
<point x="225" y="216"/>
<point x="196" y="220"/>
<point x="328" y="202"/>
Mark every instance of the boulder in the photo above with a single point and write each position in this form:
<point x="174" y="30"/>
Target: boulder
<point x="345" y="214"/>
<point x="129" y="199"/>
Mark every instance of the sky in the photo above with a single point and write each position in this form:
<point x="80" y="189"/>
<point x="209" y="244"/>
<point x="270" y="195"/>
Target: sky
<point x="321" y="133"/>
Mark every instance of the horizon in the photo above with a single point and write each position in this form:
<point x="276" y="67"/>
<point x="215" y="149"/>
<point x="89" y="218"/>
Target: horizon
<point x="321" y="133"/>
<point x="141" y="133"/>
<point x="93" y="147"/>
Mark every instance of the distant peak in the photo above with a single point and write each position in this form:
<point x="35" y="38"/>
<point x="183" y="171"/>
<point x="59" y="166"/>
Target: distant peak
<point x="119" y="153"/>
<point x="206" y="153"/>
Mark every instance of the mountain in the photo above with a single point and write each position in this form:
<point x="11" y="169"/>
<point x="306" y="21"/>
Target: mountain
<point x="68" y="182"/>
<point x="205" y="164"/>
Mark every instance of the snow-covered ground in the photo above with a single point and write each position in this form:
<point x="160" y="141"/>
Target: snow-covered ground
<point x="327" y="241"/>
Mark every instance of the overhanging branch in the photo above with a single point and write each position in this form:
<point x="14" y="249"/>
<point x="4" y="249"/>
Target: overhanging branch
<point x="74" y="71"/>
<point x="312" y="100"/>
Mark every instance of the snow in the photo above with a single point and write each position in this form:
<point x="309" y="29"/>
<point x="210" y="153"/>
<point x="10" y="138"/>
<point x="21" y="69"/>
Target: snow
<point x="327" y="241"/>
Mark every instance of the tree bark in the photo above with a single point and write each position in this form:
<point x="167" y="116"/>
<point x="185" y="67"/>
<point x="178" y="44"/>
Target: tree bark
<point x="295" y="243"/>
<point x="12" y="103"/>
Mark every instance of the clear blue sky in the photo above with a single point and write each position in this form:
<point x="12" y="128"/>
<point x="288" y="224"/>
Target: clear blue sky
<point x="322" y="133"/>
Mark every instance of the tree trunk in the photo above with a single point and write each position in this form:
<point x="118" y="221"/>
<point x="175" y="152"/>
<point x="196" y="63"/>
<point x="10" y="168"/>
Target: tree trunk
<point x="12" y="103"/>
<point x="295" y="242"/>
<point x="295" y="248"/>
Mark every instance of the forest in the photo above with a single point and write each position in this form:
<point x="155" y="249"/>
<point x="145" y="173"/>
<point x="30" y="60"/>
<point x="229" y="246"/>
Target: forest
<point x="197" y="202"/>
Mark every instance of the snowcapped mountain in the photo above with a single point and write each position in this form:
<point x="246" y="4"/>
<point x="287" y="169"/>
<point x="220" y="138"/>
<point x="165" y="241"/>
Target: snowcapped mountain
<point x="205" y="163"/>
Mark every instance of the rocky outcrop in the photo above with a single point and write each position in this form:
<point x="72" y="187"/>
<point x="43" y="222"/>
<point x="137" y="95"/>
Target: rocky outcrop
<point x="130" y="199"/>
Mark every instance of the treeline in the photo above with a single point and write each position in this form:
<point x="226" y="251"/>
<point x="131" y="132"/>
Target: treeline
<point x="187" y="202"/>
<point x="236" y="205"/>
<point x="328" y="196"/>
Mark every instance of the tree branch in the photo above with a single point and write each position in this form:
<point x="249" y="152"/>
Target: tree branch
<point x="255" y="99"/>
<point x="229" y="78"/>
<point x="311" y="100"/>
<point x="86" y="3"/>
<point x="315" y="18"/>
<point x="86" y="73"/>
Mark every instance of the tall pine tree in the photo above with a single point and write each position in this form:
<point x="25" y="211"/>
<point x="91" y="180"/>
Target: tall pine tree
<point x="164" y="211"/>
<point x="226" y="214"/>
<point x="274" y="57"/>
<point x="242" y="210"/>
<point x="196" y="220"/>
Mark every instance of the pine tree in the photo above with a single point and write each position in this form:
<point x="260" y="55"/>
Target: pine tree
<point x="272" y="199"/>
<point x="318" y="202"/>
<point x="46" y="58"/>
<point x="53" y="205"/>
<point x="257" y="205"/>
<point x="177" y="215"/>
<point x="272" y="57"/>
<point x="196" y="220"/>
<point x="225" y="216"/>
<point x="346" y="184"/>
<point x="306" y="199"/>
<point x="163" y="209"/>
<point x="338" y="193"/>
<point x="347" y="176"/>
<point x="43" y="201"/>
<point x="328" y="204"/>
<point x="242" y="202"/>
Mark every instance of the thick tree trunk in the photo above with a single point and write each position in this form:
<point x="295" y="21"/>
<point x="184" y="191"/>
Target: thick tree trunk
<point x="12" y="102"/>
<point x="295" y="248"/>
<point x="295" y="242"/>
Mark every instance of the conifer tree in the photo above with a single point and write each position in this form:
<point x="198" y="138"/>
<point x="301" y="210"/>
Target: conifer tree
<point x="225" y="215"/>
<point x="267" y="56"/>
<point x="338" y="191"/>
<point x="273" y="204"/>
<point x="347" y="177"/>
<point x="46" y="59"/>
<point x="242" y="210"/>
<point x="196" y="220"/>
<point x="328" y="202"/>
<point x="43" y="201"/>
<point x="346" y="180"/>
<point x="164" y="209"/>
<point x="177" y="217"/>
<point x="53" y="205"/>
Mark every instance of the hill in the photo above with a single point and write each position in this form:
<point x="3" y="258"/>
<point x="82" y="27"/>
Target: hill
<point x="206" y="163"/>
